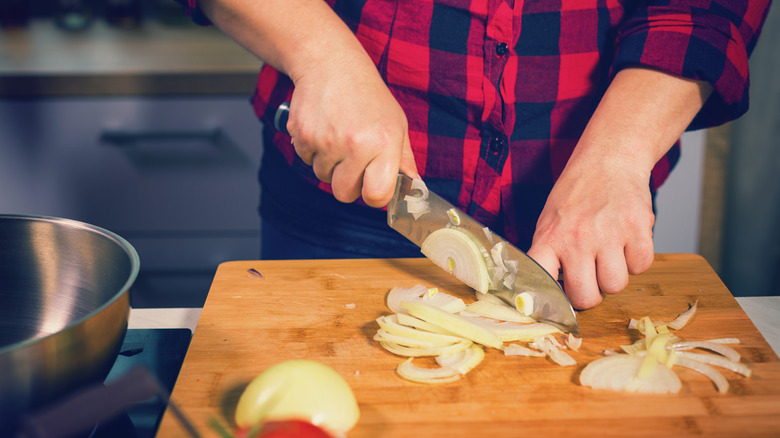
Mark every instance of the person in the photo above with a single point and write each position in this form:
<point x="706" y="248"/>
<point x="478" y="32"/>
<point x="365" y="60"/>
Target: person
<point x="552" y="123"/>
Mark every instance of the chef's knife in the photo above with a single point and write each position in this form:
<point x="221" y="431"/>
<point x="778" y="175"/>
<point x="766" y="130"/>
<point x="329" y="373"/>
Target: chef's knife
<point x="549" y="301"/>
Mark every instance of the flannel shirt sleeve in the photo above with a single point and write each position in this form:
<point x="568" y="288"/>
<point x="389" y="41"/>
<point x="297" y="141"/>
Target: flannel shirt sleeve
<point x="708" y="40"/>
<point x="194" y="12"/>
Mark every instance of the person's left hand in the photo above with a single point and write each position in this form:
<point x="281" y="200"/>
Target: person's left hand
<point x="597" y="227"/>
<point x="597" y="224"/>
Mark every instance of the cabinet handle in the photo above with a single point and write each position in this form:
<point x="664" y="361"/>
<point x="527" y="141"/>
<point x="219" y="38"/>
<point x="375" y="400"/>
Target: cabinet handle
<point x="129" y="138"/>
<point x="177" y="148"/>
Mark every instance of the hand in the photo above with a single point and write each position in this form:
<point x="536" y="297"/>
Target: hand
<point x="344" y="121"/>
<point x="597" y="227"/>
<point x="346" y="124"/>
<point x="598" y="220"/>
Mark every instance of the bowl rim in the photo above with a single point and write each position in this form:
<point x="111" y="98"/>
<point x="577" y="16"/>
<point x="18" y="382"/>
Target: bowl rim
<point x="135" y="264"/>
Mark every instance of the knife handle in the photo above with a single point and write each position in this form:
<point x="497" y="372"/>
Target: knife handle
<point x="281" y="117"/>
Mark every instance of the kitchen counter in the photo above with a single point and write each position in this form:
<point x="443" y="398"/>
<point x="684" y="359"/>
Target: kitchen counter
<point x="45" y="61"/>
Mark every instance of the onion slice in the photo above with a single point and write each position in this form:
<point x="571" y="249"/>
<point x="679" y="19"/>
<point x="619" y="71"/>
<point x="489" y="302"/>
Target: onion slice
<point x="717" y="378"/>
<point x="456" y="324"/>
<point x="417" y="205"/>
<point x="519" y="350"/>
<point x="410" y="371"/>
<point x="573" y="342"/>
<point x="390" y="325"/>
<point x="718" y="361"/>
<point x="401" y="350"/>
<point x="463" y="361"/>
<point x="618" y="373"/>
<point x="683" y="318"/>
<point x="500" y="311"/>
<point x="721" y="349"/>
<point x="509" y="331"/>
<point x="456" y="251"/>
<point x="420" y="293"/>
<point x="547" y="345"/>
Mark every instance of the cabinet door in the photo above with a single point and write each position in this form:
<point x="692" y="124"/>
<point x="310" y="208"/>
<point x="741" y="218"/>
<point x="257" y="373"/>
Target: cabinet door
<point x="175" y="177"/>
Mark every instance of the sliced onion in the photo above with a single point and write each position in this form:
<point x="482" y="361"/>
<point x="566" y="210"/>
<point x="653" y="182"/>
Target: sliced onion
<point x="721" y="349"/>
<point x="456" y="251"/>
<point x="390" y="325"/>
<point x="464" y="361"/>
<point x="573" y="342"/>
<point x="490" y="298"/>
<point x="417" y="205"/>
<point x="717" y="378"/>
<point x="718" y="361"/>
<point x="547" y="346"/>
<point x="524" y="303"/>
<point x="453" y="323"/>
<point x="500" y="311"/>
<point x="401" y="350"/>
<point x="420" y="293"/>
<point x="410" y="371"/>
<point x="635" y="348"/>
<point x="519" y="350"/>
<point x="509" y="331"/>
<point x="488" y="234"/>
<point x="618" y="373"/>
<point x="419" y="184"/>
<point x="655" y="354"/>
<point x="725" y="340"/>
<point x="411" y="321"/>
<point x="384" y="335"/>
<point x="684" y="317"/>
<point x="454" y="217"/>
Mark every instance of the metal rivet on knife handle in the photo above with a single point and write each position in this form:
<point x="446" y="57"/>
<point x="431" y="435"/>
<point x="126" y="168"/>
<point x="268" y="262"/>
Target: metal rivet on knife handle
<point x="281" y="117"/>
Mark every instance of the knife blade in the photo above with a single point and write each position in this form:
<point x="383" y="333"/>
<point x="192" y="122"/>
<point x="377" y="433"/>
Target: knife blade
<point x="550" y="303"/>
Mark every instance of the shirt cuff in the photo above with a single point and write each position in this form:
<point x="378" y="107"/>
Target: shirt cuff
<point x="702" y="46"/>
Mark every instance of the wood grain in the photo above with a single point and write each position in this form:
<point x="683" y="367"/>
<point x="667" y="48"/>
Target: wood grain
<point x="303" y="309"/>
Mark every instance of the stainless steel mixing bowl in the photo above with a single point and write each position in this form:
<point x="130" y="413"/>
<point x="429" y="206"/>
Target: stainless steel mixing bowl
<point x="64" y="305"/>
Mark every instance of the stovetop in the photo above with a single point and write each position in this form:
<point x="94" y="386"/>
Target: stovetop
<point x="162" y="352"/>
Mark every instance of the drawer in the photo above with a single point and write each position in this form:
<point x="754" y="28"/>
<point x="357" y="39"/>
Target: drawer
<point x="176" y="177"/>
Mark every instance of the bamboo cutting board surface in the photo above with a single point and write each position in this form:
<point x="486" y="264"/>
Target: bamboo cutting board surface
<point x="325" y="310"/>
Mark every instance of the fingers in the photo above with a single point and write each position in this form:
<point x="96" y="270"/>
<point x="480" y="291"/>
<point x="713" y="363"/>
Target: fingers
<point x="640" y="254"/>
<point x="580" y="282"/>
<point x="546" y="257"/>
<point x="611" y="271"/>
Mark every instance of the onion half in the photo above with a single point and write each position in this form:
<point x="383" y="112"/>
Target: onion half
<point x="455" y="251"/>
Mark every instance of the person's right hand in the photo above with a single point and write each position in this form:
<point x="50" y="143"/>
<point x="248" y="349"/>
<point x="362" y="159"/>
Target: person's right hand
<point x="346" y="124"/>
<point x="343" y="119"/>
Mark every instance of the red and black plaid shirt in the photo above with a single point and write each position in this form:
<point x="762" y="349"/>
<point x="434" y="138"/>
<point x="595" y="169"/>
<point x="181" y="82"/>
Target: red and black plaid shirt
<point x="497" y="92"/>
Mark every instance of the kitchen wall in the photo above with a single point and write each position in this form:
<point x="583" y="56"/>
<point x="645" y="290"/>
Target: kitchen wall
<point x="678" y="202"/>
<point x="750" y="255"/>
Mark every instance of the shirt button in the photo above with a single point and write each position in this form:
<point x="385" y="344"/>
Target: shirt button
<point x="496" y="144"/>
<point x="501" y="49"/>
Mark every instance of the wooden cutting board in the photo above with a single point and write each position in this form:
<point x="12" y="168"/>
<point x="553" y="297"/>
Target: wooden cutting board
<point x="325" y="310"/>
